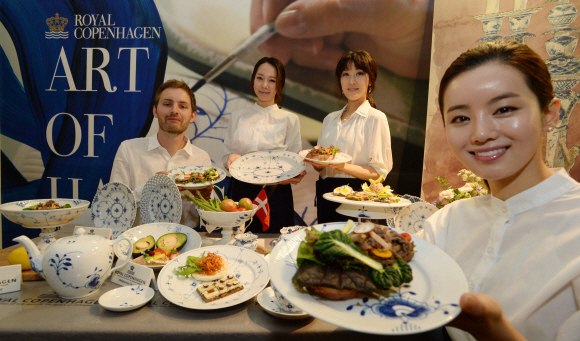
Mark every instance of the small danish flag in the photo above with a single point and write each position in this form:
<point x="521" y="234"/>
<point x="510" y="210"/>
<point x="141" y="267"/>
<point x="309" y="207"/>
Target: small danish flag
<point x="263" y="211"/>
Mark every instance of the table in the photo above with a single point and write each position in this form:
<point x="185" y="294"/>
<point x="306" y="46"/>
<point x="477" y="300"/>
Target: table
<point x="37" y="313"/>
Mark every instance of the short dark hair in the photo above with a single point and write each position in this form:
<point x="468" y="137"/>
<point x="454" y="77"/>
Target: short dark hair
<point x="174" y="83"/>
<point x="363" y="61"/>
<point x="280" y="76"/>
<point x="520" y="56"/>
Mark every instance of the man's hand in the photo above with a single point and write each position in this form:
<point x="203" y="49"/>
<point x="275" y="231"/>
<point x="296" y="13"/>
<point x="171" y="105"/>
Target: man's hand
<point x="311" y="32"/>
<point x="482" y="317"/>
<point x="295" y="180"/>
<point x="231" y="159"/>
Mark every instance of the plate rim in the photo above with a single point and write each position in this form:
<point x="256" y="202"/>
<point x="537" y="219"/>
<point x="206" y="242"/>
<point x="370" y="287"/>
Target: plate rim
<point x="223" y="175"/>
<point x="334" y="316"/>
<point x="234" y="167"/>
<point x="402" y="201"/>
<point x="160" y="278"/>
<point x="144" y="201"/>
<point x="131" y="198"/>
<point x="329" y="162"/>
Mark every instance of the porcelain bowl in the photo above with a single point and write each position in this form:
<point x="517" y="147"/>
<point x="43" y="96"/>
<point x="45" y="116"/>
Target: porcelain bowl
<point x="43" y="218"/>
<point x="226" y="219"/>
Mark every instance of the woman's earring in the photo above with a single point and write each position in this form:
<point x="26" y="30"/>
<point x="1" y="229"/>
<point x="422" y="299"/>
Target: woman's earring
<point x="550" y="128"/>
<point x="370" y="89"/>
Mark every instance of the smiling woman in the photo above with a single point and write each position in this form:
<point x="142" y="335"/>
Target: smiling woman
<point x="265" y="127"/>
<point x="497" y="102"/>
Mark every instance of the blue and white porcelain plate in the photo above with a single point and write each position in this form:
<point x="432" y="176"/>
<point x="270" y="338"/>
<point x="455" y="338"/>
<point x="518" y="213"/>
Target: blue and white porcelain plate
<point x="267" y="167"/>
<point x="248" y="266"/>
<point x="411" y="218"/>
<point x="160" y="201"/>
<point x="114" y="207"/>
<point x="173" y="173"/>
<point x="126" y="298"/>
<point x="157" y="230"/>
<point x="431" y="300"/>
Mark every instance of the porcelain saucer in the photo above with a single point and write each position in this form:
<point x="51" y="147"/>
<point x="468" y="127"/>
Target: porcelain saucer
<point x="126" y="298"/>
<point x="267" y="300"/>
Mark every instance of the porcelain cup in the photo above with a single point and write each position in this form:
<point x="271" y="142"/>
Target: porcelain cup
<point x="283" y="303"/>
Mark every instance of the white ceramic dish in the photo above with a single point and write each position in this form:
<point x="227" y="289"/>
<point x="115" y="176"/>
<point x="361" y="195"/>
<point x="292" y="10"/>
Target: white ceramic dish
<point x="199" y="169"/>
<point x="114" y="207"/>
<point x="43" y="218"/>
<point x="369" y="203"/>
<point x="126" y="298"/>
<point x="267" y="300"/>
<point x="160" y="201"/>
<point x="411" y="218"/>
<point x="267" y="167"/>
<point x="431" y="300"/>
<point x="248" y="266"/>
<point x="338" y="158"/>
<point x="156" y="230"/>
<point x="226" y="219"/>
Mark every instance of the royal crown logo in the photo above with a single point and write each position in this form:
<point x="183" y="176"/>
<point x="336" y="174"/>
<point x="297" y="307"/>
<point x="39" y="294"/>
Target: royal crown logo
<point x="56" y="26"/>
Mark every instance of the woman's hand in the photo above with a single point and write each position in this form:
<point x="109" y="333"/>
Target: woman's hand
<point x="231" y="159"/>
<point x="317" y="166"/>
<point x="294" y="181"/>
<point x="482" y="317"/>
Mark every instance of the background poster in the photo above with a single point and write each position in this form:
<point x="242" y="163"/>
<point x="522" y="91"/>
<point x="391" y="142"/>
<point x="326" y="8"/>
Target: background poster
<point x="549" y="27"/>
<point x="73" y="91"/>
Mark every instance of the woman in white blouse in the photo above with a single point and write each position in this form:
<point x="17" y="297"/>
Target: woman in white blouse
<point x="359" y="130"/>
<point x="519" y="245"/>
<point x="262" y="127"/>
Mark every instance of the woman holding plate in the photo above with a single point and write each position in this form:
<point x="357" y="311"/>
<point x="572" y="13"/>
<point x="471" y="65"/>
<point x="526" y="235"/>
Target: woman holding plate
<point x="518" y="246"/>
<point x="358" y="129"/>
<point x="265" y="127"/>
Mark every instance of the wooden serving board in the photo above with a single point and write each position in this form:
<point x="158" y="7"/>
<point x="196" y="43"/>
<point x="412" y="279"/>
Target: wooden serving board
<point x="27" y="275"/>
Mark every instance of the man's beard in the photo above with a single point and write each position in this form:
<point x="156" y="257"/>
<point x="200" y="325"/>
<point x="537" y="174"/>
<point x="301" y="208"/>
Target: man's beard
<point x="174" y="130"/>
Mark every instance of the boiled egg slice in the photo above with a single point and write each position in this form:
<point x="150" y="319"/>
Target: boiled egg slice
<point x="345" y="190"/>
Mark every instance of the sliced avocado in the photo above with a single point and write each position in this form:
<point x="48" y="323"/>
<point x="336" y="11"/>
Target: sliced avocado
<point x="143" y="245"/>
<point x="172" y="240"/>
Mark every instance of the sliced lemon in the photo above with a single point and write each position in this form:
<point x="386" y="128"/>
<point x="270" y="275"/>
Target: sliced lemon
<point x="19" y="256"/>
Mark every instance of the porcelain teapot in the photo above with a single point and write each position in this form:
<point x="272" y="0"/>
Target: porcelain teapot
<point x="75" y="266"/>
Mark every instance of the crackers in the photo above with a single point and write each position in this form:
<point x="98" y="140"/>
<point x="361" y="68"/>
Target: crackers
<point x="219" y="289"/>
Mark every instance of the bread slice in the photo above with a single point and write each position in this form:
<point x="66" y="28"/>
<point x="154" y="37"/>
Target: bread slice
<point x="210" y="292"/>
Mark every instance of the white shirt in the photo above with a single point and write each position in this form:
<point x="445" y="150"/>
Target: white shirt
<point x="137" y="160"/>
<point x="524" y="252"/>
<point x="258" y="129"/>
<point x="365" y="136"/>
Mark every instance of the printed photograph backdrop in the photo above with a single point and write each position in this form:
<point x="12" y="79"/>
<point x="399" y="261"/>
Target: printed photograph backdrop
<point x="549" y="27"/>
<point x="79" y="78"/>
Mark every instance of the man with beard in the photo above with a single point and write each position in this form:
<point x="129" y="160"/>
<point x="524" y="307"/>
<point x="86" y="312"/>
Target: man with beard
<point x="137" y="160"/>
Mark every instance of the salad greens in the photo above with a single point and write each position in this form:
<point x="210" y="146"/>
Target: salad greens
<point x="336" y="248"/>
<point x="190" y="267"/>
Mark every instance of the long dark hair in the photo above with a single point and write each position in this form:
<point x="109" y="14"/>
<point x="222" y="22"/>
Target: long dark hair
<point x="364" y="61"/>
<point x="520" y="56"/>
<point x="280" y="76"/>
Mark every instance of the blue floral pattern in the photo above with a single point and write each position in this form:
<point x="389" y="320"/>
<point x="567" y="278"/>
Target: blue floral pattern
<point x="114" y="207"/>
<point x="267" y="167"/>
<point x="160" y="201"/>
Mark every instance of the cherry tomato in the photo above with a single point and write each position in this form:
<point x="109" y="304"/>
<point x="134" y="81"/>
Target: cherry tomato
<point x="406" y="236"/>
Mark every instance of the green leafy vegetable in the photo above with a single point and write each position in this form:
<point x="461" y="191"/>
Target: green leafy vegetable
<point x="306" y="252"/>
<point x="334" y="246"/>
<point x="312" y="235"/>
<point x="394" y="275"/>
<point x="190" y="267"/>
<point x="31" y="208"/>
